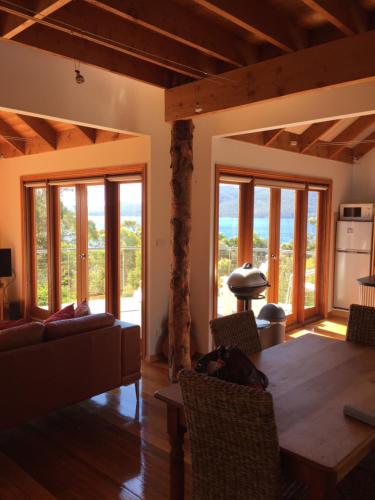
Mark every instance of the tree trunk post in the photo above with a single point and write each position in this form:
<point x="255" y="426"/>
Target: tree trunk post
<point x="179" y="302"/>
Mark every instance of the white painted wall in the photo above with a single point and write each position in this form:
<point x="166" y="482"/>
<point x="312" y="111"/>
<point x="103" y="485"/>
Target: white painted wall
<point x="109" y="101"/>
<point x="364" y="179"/>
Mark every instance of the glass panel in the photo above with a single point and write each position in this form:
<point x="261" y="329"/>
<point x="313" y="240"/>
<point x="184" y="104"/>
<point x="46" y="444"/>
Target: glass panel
<point x="41" y="247"/>
<point x="96" y="248"/>
<point x="131" y="252"/>
<point x="68" y="245"/>
<point x="286" y="257"/>
<point x="262" y="197"/>
<point x="311" y="245"/>
<point x="229" y="195"/>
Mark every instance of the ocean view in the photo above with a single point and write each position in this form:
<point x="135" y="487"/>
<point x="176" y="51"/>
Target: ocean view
<point x="229" y="227"/>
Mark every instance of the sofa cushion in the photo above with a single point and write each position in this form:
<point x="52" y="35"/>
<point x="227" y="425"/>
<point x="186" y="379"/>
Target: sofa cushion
<point x="21" y="336"/>
<point x="64" y="313"/>
<point x="82" y="309"/>
<point x="4" y="325"/>
<point x="67" y="327"/>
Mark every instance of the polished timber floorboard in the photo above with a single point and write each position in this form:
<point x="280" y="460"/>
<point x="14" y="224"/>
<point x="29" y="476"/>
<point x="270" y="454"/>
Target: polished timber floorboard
<point x="104" y="448"/>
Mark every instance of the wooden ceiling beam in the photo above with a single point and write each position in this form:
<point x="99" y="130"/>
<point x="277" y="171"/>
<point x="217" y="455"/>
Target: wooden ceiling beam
<point x="9" y="135"/>
<point x="365" y="147"/>
<point x="12" y="26"/>
<point x="346" y="15"/>
<point x="260" y="19"/>
<point x="62" y="43"/>
<point x="42" y="129"/>
<point x="124" y="36"/>
<point x="270" y="136"/>
<point x="88" y="134"/>
<point x="174" y="21"/>
<point x="314" y="133"/>
<point x="350" y="134"/>
<point x="341" y="62"/>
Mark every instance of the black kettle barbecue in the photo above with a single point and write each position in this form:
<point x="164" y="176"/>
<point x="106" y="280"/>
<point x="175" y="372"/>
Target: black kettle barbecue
<point x="247" y="283"/>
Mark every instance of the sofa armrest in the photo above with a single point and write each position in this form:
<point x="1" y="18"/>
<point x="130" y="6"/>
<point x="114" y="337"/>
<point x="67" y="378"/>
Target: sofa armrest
<point x="130" y="352"/>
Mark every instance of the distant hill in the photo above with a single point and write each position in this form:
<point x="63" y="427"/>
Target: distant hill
<point x="229" y="200"/>
<point x="130" y="209"/>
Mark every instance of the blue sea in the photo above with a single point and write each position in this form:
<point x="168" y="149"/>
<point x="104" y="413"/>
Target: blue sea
<point x="229" y="227"/>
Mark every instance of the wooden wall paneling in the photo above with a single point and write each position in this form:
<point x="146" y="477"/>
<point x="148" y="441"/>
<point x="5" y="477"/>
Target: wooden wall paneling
<point x="112" y="255"/>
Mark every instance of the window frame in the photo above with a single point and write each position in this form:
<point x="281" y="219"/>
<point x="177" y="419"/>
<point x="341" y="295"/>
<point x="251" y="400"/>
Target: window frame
<point x="112" y="224"/>
<point x="301" y="315"/>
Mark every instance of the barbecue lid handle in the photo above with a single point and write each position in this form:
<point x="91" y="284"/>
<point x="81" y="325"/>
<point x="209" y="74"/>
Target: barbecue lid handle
<point x="247" y="265"/>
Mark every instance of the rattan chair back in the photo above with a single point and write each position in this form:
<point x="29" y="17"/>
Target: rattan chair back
<point x="239" y="330"/>
<point x="233" y="439"/>
<point x="361" y="325"/>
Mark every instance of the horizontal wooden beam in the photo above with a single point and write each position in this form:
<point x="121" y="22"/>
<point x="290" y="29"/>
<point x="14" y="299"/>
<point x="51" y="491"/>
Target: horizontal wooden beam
<point x="365" y="147"/>
<point x="260" y="19"/>
<point x="62" y="43"/>
<point x="172" y="20"/>
<point x="341" y="62"/>
<point x="349" y="134"/>
<point x="346" y="15"/>
<point x="42" y="129"/>
<point x="314" y="133"/>
<point x="12" y="137"/>
<point x="12" y="26"/>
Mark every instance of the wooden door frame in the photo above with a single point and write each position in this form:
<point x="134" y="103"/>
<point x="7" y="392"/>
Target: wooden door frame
<point x="324" y="235"/>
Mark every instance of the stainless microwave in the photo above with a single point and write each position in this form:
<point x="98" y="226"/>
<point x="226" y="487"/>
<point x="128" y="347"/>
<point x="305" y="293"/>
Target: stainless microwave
<point x="357" y="211"/>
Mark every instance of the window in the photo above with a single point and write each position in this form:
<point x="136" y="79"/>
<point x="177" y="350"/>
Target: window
<point x="279" y="225"/>
<point x="84" y="240"/>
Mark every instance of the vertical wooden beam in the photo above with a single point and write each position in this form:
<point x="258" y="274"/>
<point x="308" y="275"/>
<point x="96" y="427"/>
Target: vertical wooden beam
<point x="54" y="268"/>
<point x="112" y="254"/>
<point x="179" y="303"/>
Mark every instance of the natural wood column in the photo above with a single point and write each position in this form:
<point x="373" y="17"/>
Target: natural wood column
<point x="179" y="302"/>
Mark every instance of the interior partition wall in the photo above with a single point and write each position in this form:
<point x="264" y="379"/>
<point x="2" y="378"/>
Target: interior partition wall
<point x="281" y="224"/>
<point x="84" y="239"/>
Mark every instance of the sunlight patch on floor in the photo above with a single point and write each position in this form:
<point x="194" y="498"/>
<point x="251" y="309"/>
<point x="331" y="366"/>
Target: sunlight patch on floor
<point x="329" y="326"/>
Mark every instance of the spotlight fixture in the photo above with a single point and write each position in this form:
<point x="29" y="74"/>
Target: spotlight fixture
<point x="198" y="108"/>
<point x="79" y="77"/>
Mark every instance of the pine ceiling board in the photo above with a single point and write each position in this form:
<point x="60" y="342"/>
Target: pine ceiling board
<point x="337" y="129"/>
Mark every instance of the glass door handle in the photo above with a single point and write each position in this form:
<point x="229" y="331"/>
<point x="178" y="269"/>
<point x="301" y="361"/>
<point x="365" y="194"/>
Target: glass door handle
<point x="273" y="256"/>
<point x="82" y="256"/>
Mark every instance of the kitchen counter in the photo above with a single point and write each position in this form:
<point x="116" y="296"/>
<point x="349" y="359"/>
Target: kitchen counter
<point x="367" y="280"/>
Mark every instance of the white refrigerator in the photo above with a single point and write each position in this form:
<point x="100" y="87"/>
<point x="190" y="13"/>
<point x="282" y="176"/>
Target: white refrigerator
<point x="352" y="260"/>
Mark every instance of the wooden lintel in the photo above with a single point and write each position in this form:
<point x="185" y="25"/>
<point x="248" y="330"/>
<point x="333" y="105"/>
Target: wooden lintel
<point x="346" y="15"/>
<point x="314" y="133"/>
<point x="254" y="17"/>
<point x="350" y="134"/>
<point x="12" y="26"/>
<point x="180" y="24"/>
<point x="341" y="62"/>
<point x="12" y="137"/>
<point x="42" y="128"/>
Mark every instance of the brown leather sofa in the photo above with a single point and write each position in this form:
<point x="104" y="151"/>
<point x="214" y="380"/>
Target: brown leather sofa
<point x="64" y="362"/>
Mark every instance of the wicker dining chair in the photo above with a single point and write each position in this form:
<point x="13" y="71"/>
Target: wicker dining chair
<point x="233" y="441"/>
<point x="239" y="330"/>
<point x="361" y="325"/>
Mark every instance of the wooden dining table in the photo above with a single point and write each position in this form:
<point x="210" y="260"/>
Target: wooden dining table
<point x="311" y="379"/>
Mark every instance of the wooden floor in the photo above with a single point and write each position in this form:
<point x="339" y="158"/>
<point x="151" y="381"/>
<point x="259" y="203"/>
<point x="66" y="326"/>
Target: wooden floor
<point x="105" y="448"/>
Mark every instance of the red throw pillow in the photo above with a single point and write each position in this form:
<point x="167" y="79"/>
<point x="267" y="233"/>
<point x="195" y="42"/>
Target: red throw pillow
<point x="64" y="313"/>
<point x="82" y="309"/>
<point x="10" y="324"/>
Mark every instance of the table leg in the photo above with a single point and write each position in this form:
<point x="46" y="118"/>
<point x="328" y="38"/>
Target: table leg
<point x="176" y="438"/>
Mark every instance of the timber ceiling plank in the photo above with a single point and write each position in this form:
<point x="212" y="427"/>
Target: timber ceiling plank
<point x="260" y="19"/>
<point x="346" y="15"/>
<point x="88" y="134"/>
<point x="314" y="133"/>
<point x="350" y="134"/>
<point x="9" y="135"/>
<point x="365" y="147"/>
<point x="12" y="26"/>
<point x="120" y="34"/>
<point x="62" y="43"/>
<point x="341" y="62"/>
<point x="42" y="129"/>
<point x="176" y="22"/>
